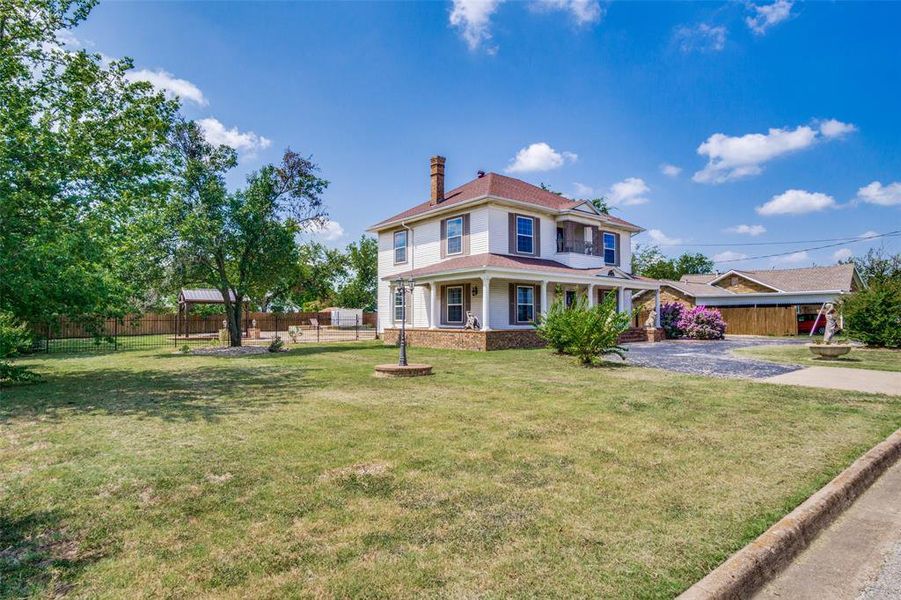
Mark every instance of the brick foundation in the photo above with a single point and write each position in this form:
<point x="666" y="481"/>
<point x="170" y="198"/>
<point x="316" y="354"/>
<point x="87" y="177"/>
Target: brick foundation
<point x="501" y="339"/>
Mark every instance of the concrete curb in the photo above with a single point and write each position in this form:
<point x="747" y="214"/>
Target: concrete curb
<point x="750" y="568"/>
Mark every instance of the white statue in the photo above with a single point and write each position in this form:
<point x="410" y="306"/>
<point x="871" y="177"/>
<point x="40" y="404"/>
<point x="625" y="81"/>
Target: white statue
<point x="651" y="321"/>
<point x="830" y="313"/>
<point x="253" y="323"/>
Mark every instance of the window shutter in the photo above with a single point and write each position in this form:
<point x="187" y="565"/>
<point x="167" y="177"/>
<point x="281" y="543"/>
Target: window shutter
<point x="596" y="242"/>
<point x="443" y="304"/>
<point x="537" y="307"/>
<point x="617" y="250"/>
<point x="511" y="230"/>
<point x="466" y="234"/>
<point x="511" y="295"/>
<point x="443" y="238"/>
<point x="536" y="236"/>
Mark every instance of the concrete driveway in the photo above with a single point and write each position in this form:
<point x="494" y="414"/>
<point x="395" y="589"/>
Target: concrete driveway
<point x="711" y="358"/>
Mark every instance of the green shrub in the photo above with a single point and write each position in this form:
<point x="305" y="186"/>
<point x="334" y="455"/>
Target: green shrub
<point x="584" y="332"/>
<point x="14" y="339"/>
<point x="873" y="315"/>
<point x="276" y="344"/>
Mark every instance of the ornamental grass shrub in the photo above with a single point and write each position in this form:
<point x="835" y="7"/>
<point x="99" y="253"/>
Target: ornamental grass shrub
<point x="587" y="333"/>
<point x="670" y="314"/>
<point x="702" y="323"/>
<point x="873" y="314"/>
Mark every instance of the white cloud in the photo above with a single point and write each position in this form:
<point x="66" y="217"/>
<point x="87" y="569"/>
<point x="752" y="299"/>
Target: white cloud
<point x="331" y="231"/>
<point x="832" y="128"/>
<point x="242" y="141"/>
<point x="670" y="170"/>
<point x="728" y="255"/>
<point x="752" y="230"/>
<point x="168" y="83"/>
<point x="584" y="12"/>
<point x="794" y="257"/>
<point x="661" y="238"/>
<point x="473" y="19"/>
<point x="629" y="192"/>
<point x="867" y="235"/>
<point x="734" y="157"/>
<point x="796" y="202"/>
<point x="767" y="15"/>
<point x="701" y="38"/>
<point x="582" y="190"/>
<point x="842" y="254"/>
<point x="539" y="157"/>
<point x="876" y="193"/>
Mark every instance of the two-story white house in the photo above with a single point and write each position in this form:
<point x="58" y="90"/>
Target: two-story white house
<point x="502" y="250"/>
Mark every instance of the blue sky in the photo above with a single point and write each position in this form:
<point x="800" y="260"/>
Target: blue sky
<point x="779" y="117"/>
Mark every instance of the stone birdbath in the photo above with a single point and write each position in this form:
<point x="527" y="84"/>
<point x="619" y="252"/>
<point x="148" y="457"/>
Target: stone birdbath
<point x="827" y="350"/>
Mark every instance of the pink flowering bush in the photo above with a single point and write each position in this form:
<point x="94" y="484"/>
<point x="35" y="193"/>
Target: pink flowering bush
<point x="670" y="314"/>
<point x="702" y="323"/>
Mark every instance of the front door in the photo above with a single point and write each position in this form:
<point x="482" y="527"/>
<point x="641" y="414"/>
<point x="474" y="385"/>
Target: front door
<point x="570" y="298"/>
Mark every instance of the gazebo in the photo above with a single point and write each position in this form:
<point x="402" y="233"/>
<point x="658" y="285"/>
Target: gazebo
<point x="188" y="298"/>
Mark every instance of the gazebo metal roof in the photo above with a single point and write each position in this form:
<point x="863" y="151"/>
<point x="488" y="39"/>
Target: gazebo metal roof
<point x="203" y="296"/>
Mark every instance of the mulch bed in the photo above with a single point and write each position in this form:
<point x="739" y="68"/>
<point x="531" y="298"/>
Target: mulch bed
<point x="230" y="351"/>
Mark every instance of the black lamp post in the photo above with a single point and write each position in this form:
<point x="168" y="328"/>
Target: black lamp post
<point x="403" y="285"/>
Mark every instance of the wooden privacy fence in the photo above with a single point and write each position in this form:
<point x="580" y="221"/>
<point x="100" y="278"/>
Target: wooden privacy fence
<point x="760" y="320"/>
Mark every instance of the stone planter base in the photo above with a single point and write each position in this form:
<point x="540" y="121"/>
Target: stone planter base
<point x="398" y="371"/>
<point x="829" y="351"/>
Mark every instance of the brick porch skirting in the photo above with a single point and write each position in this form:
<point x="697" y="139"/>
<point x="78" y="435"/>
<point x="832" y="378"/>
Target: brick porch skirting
<point x="500" y="339"/>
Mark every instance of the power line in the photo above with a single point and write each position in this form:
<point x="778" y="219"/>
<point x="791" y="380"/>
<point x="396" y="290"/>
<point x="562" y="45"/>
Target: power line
<point x="855" y="238"/>
<point x="881" y="235"/>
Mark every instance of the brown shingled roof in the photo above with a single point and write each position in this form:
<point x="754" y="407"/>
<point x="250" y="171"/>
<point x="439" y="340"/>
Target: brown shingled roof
<point x="502" y="261"/>
<point x="498" y="186"/>
<point x="835" y="277"/>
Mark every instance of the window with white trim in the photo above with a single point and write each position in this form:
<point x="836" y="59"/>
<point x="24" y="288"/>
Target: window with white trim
<point x="454" y="234"/>
<point x="454" y="295"/>
<point x="400" y="247"/>
<point x="525" y="304"/>
<point x="398" y="305"/>
<point x="609" y="248"/>
<point x="525" y="235"/>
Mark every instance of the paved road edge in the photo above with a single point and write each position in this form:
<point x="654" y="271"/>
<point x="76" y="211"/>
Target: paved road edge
<point x="750" y="568"/>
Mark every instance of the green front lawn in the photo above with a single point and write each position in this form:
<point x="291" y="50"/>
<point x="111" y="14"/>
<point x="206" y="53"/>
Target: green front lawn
<point x="299" y="474"/>
<point x="859" y="358"/>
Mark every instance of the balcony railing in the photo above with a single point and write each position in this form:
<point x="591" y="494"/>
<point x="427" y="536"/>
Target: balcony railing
<point x="578" y="247"/>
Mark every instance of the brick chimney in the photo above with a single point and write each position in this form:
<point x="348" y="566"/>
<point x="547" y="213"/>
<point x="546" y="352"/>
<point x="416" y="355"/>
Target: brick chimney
<point x="437" y="177"/>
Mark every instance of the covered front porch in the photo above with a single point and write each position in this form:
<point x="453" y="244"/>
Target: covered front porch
<point x="495" y="310"/>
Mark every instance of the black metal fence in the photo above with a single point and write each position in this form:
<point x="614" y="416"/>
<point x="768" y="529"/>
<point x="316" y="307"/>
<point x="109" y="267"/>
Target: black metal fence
<point x="141" y="332"/>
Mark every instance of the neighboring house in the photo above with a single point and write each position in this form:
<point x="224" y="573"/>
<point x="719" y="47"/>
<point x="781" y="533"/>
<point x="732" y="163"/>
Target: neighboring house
<point x="502" y="250"/>
<point x="764" y="302"/>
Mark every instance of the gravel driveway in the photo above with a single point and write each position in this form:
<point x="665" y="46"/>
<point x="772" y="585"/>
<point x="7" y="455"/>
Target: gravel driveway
<point x="711" y="358"/>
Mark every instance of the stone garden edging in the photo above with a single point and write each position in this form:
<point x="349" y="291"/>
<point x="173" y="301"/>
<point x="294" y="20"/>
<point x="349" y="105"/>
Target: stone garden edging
<point x="750" y="568"/>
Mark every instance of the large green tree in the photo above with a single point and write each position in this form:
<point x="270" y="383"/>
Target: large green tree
<point x="241" y="242"/>
<point x="649" y="261"/>
<point x="359" y="291"/>
<point x="876" y="266"/>
<point x="83" y="162"/>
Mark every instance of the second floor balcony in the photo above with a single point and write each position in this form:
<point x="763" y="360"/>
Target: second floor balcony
<point x="578" y="247"/>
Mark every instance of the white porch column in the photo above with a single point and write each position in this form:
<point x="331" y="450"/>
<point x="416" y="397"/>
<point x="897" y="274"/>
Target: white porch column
<point x="620" y="292"/>
<point x="434" y="309"/>
<point x="486" y="287"/>
<point x="544" y="284"/>
<point x="657" y="307"/>
<point x="591" y="295"/>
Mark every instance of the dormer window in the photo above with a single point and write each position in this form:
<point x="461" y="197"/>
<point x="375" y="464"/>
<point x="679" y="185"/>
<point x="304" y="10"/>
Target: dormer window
<point x="609" y="248"/>
<point x="525" y="235"/>
<point x="455" y="236"/>
<point x="400" y="247"/>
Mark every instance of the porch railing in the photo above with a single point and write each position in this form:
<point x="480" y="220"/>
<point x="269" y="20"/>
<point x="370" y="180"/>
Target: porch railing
<point x="577" y="247"/>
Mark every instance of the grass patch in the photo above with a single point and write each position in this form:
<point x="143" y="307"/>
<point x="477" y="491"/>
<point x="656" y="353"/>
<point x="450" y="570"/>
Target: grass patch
<point x="514" y="473"/>
<point x="879" y="359"/>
